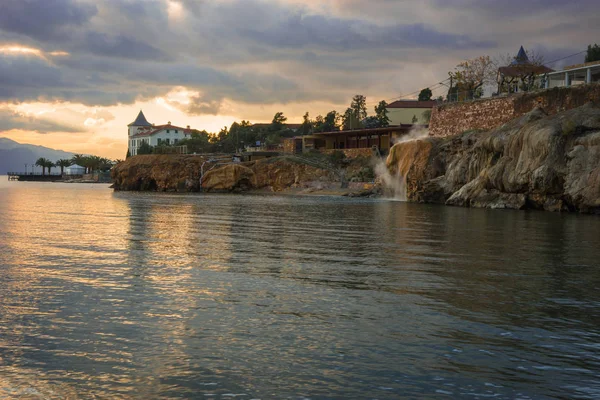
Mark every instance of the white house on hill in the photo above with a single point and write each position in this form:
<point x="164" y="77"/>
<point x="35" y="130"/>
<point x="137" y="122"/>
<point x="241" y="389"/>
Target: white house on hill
<point x="140" y="131"/>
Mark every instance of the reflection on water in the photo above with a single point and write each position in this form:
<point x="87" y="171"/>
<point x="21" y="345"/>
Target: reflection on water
<point x="120" y="295"/>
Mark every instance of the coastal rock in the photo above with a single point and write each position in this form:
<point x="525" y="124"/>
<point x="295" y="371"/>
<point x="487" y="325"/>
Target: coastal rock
<point x="181" y="173"/>
<point x="535" y="161"/>
<point x="228" y="178"/>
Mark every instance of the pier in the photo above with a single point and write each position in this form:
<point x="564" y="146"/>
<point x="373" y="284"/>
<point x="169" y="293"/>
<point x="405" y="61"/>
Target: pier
<point x="31" y="177"/>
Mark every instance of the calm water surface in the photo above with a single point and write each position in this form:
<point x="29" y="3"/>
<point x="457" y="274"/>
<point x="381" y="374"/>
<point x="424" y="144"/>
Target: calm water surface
<point x="138" y="295"/>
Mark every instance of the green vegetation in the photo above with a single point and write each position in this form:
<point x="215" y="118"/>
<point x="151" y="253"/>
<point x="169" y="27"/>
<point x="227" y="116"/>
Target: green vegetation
<point x="92" y="163"/>
<point x="593" y="53"/>
<point x="365" y="174"/>
<point x="425" y="95"/>
<point x="426" y="116"/>
<point x="242" y="134"/>
<point x="381" y="113"/>
<point x="145" y="148"/>
<point x="63" y="163"/>
<point x="44" y="163"/>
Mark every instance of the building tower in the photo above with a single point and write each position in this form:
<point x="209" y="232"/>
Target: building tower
<point x="140" y="124"/>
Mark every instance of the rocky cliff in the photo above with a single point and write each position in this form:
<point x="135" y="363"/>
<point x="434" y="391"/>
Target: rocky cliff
<point x="181" y="173"/>
<point x="535" y="161"/>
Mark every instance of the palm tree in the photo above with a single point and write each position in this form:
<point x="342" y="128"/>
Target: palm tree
<point x="83" y="161"/>
<point x="50" y="165"/>
<point x="63" y="163"/>
<point x="42" y="162"/>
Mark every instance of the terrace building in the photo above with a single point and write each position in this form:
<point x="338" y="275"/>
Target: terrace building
<point x="573" y="75"/>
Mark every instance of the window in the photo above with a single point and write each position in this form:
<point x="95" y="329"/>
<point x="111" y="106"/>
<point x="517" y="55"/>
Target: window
<point x="166" y="141"/>
<point x="175" y="130"/>
<point x="175" y="141"/>
<point x="167" y="131"/>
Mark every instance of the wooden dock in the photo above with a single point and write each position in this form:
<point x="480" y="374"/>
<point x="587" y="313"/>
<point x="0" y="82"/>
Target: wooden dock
<point x="30" y="177"/>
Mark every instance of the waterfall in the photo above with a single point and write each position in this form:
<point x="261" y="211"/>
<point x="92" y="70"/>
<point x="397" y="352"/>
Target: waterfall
<point x="395" y="184"/>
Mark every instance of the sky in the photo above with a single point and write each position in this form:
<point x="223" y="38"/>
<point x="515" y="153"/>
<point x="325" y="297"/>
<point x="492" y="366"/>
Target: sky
<point x="74" y="73"/>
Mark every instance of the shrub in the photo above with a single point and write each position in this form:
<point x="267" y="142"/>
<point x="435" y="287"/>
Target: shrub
<point x="337" y="157"/>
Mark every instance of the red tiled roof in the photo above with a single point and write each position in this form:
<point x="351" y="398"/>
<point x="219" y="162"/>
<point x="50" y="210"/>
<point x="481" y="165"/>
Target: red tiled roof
<point x="392" y="128"/>
<point x="155" y="129"/>
<point x="412" y="104"/>
<point x="266" y="125"/>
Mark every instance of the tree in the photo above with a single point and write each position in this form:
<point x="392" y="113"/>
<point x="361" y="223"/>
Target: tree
<point x="415" y="119"/>
<point x="471" y="75"/>
<point x="425" y="95"/>
<point x="359" y="107"/>
<point x="593" y="53"/>
<point x="273" y="139"/>
<point x="128" y="154"/>
<point x="199" y="142"/>
<point x="350" y="120"/>
<point x="331" y="122"/>
<point x="318" y="124"/>
<point x="145" y="148"/>
<point x="50" y="165"/>
<point x="62" y="163"/>
<point x="278" y="121"/>
<point x="307" y="125"/>
<point x="43" y="162"/>
<point x="381" y="113"/>
<point x="371" y="122"/>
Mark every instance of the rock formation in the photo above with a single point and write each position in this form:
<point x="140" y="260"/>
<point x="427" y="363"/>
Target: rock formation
<point x="535" y="161"/>
<point x="182" y="173"/>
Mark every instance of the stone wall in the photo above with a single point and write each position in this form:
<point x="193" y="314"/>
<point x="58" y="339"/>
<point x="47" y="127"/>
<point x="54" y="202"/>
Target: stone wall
<point x="485" y="114"/>
<point x="352" y="153"/>
<point x="289" y="145"/>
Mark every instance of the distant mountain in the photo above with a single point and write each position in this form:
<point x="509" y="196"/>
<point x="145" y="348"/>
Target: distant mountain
<point x="14" y="156"/>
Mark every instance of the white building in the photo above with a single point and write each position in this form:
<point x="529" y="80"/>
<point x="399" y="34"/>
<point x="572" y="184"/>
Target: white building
<point x="140" y="131"/>
<point x="75" y="170"/>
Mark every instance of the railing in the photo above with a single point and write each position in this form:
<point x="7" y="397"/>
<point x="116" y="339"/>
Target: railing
<point x="33" y="174"/>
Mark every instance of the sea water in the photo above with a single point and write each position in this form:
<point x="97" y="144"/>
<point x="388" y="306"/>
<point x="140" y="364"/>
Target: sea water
<point x="156" y="295"/>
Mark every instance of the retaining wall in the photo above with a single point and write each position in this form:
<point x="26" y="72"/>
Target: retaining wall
<point x="454" y="118"/>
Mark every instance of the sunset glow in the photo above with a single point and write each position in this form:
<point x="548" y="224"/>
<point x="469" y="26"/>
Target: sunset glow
<point x="208" y="64"/>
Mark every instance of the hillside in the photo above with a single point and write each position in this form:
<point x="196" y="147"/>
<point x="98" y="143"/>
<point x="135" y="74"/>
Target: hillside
<point x="14" y="155"/>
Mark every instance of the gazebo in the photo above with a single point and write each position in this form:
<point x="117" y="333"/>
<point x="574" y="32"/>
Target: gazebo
<point x="75" y="170"/>
<point x="520" y="74"/>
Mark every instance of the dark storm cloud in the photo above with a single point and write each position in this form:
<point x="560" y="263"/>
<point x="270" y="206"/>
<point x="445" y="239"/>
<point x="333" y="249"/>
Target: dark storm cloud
<point x="259" y="51"/>
<point x="301" y="31"/>
<point x="119" y="46"/>
<point x="43" y="19"/>
<point x="517" y="8"/>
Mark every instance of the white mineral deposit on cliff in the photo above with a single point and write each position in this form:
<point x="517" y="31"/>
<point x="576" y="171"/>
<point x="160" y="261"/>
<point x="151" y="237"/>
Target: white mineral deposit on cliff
<point x="395" y="184"/>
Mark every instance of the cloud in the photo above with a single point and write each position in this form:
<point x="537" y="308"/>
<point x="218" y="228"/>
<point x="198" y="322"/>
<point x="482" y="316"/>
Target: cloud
<point x="262" y="52"/>
<point x="44" y="19"/>
<point x="97" y="117"/>
<point x="119" y="46"/>
<point x="299" y="31"/>
<point x="10" y="119"/>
